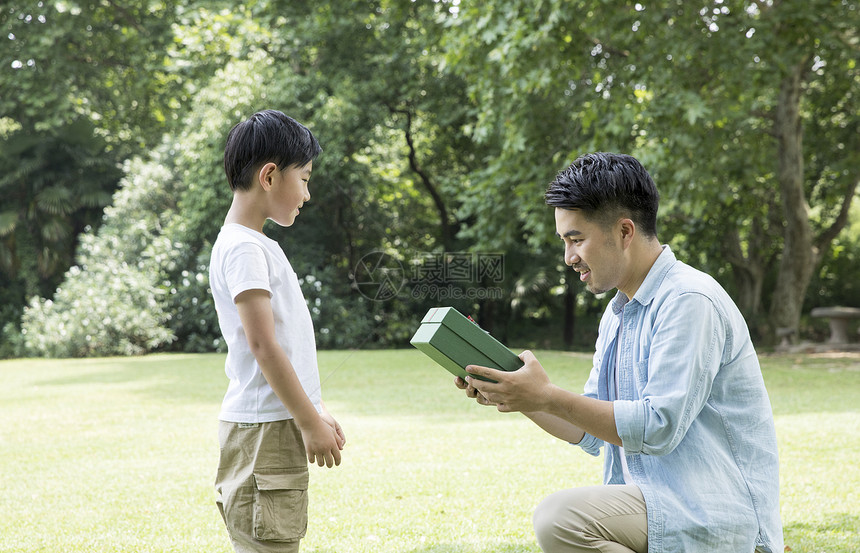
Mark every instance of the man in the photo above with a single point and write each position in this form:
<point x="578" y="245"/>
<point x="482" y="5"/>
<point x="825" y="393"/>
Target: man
<point x="675" y="394"/>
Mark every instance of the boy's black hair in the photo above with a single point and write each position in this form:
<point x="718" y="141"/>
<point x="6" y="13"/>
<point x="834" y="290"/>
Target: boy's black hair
<point x="606" y="187"/>
<point x="267" y="136"/>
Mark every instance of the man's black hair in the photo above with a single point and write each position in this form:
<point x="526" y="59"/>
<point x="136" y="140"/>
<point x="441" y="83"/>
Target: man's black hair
<point x="606" y="187"/>
<point x="267" y="136"/>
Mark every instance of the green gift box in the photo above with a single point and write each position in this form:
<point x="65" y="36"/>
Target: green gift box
<point x="454" y="341"/>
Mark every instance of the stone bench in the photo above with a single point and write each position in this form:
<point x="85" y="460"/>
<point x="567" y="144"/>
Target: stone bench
<point x="839" y="318"/>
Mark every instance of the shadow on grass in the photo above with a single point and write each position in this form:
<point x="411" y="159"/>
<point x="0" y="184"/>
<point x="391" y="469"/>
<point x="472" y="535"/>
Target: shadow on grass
<point x="175" y="377"/>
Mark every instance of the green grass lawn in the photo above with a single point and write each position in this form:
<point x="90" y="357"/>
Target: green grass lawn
<point x="119" y="455"/>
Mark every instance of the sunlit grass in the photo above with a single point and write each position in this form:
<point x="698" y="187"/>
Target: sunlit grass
<point x="119" y="455"/>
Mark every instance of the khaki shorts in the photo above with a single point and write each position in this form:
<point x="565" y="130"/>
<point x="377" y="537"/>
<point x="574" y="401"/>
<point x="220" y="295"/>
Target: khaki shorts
<point x="262" y="485"/>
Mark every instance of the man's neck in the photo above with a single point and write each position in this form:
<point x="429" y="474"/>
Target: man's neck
<point x="643" y="256"/>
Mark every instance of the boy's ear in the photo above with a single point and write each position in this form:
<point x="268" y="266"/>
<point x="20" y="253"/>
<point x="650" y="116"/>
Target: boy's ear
<point x="266" y="174"/>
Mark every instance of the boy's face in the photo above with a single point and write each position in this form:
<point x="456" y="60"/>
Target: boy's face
<point x="289" y="192"/>
<point x="590" y="250"/>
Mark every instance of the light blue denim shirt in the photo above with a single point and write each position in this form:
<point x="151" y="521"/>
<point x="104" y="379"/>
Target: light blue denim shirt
<point x="692" y="412"/>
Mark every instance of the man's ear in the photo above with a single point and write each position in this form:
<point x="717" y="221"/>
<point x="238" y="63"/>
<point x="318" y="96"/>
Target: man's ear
<point x="627" y="229"/>
<point x="266" y="174"/>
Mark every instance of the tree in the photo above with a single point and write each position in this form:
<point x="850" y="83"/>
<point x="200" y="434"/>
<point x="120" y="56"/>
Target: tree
<point x="540" y="79"/>
<point x="82" y="87"/>
<point x="820" y="80"/>
<point x="759" y="74"/>
<point x="714" y="98"/>
<point x="53" y="185"/>
<point x="441" y="124"/>
<point x="100" y="61"/>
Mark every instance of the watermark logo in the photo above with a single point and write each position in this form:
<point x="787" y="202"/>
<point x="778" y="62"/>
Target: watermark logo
<point x="438" y="276"/>
<point x="379" y="276"/>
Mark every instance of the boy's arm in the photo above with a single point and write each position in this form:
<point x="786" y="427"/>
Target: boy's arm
<point x="255" y="312"/>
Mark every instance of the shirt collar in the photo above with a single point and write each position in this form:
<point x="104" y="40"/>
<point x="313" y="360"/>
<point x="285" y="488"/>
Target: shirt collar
<point x="648" y="289"/>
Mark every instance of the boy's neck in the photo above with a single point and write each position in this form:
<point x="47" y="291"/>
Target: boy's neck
<point x="244" y="211"/>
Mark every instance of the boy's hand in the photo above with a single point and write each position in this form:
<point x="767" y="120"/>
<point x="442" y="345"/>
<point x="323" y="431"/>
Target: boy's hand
<point x="328" y="419"/>
<point x="322" y="443"/>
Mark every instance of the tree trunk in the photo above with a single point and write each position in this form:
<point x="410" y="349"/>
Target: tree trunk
<point x="748" y="282"/>
<point x="800" y="256"/>
<point x="447" y="231"/>
<point x="748" y="269"/>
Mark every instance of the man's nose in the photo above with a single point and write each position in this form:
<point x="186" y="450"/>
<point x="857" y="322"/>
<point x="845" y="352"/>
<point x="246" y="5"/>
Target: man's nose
<point x="570" y="257"/>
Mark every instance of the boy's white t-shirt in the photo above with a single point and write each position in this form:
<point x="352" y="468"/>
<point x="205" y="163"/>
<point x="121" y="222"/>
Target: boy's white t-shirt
<point x="244" y="259"/>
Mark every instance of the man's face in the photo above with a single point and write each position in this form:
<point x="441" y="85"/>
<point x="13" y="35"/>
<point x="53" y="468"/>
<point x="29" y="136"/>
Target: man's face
<point x="592" y="251"/>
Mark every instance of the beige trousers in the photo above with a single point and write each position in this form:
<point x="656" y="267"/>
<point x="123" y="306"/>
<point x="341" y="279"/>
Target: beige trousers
<point x="262" y="485"/>
<point x="605" y="519"/>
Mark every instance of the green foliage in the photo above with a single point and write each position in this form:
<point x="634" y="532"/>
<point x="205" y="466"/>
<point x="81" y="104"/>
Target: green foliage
<point x="112" y="311"/>
<point x="54" y="183"/>
<point x="441" y="124"/>
<point x="366" y="82"/>
<point x="83" y="86"/>
<point x="836" y="282"/>
<point x="112" y="302"/>
<point x="98" y="60"/>
<point x="691" y="90"/>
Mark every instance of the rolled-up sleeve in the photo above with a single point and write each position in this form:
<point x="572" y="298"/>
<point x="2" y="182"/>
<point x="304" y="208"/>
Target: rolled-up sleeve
<point x="590" y="444"/>
<point x="678" y="359"/>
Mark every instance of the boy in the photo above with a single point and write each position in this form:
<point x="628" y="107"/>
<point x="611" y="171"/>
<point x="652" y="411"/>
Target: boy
<point x="273" y="421"/>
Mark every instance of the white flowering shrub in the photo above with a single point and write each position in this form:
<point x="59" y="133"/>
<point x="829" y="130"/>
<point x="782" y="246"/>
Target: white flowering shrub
<point x="113" y="301"/>
<point x="114" y="310"/>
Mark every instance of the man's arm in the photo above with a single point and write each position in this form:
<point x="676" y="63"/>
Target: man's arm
<point x="557" y="427"/>
<point x="255" y="311"/>
<point x="530" y="391"/>
<point x="551" y="424"/>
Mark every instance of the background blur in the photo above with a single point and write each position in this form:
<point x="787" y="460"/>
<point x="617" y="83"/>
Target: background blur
<point x="441" y="124"/>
